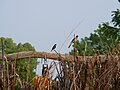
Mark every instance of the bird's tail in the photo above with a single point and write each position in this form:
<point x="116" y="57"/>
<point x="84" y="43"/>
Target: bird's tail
<point x="69" y="45"/>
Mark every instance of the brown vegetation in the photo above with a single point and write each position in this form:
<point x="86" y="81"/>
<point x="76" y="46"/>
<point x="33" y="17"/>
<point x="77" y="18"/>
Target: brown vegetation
<point x="84" y="73"/>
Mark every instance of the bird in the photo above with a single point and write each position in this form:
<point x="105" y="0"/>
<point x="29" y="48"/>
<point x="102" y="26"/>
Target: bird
<point x="74" y="39"/>
<point x="53" y="48"/>
<point x="44" y="69"/>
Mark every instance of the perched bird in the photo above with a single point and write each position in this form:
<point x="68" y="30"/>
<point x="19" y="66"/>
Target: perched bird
<point x="74" y="39"/>
<point x="53" y="48"/>
<point x="44" y="69"/>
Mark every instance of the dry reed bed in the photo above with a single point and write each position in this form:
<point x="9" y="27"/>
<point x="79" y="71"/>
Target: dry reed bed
<point x="97" y="73"/>
<point x="90" y="74"/>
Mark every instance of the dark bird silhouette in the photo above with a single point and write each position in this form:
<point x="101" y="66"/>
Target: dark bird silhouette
<point x="74" y="39"/>
<point x="44" y="69"/>
<point x="53" y="48"/>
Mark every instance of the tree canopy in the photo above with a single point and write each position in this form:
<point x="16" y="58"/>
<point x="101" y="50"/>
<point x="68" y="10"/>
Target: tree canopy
<point x="24" y="68"/>
<point x="104" y="39"/>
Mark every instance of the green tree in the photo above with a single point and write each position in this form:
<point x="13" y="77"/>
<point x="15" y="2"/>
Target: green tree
<point x="9" y="45"/>
<point x="26" y="65"/>
<point x="104" y="40"/>
<point x="116" y="18"/>
<point x="25" y="68"/>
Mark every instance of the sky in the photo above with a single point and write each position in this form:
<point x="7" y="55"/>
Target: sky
<point x="46" y="22"/>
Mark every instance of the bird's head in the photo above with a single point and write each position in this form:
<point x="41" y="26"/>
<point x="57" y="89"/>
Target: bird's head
<point x="76" y="36"/>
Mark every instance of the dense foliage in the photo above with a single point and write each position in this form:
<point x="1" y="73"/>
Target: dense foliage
<point x="25" y="68"/>
<point x="104" y="40"/>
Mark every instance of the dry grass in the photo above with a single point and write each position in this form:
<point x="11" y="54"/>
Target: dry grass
<point x="87" y="74"/>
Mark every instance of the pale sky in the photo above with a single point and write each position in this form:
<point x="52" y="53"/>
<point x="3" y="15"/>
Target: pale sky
<point x="46" y="22"/>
